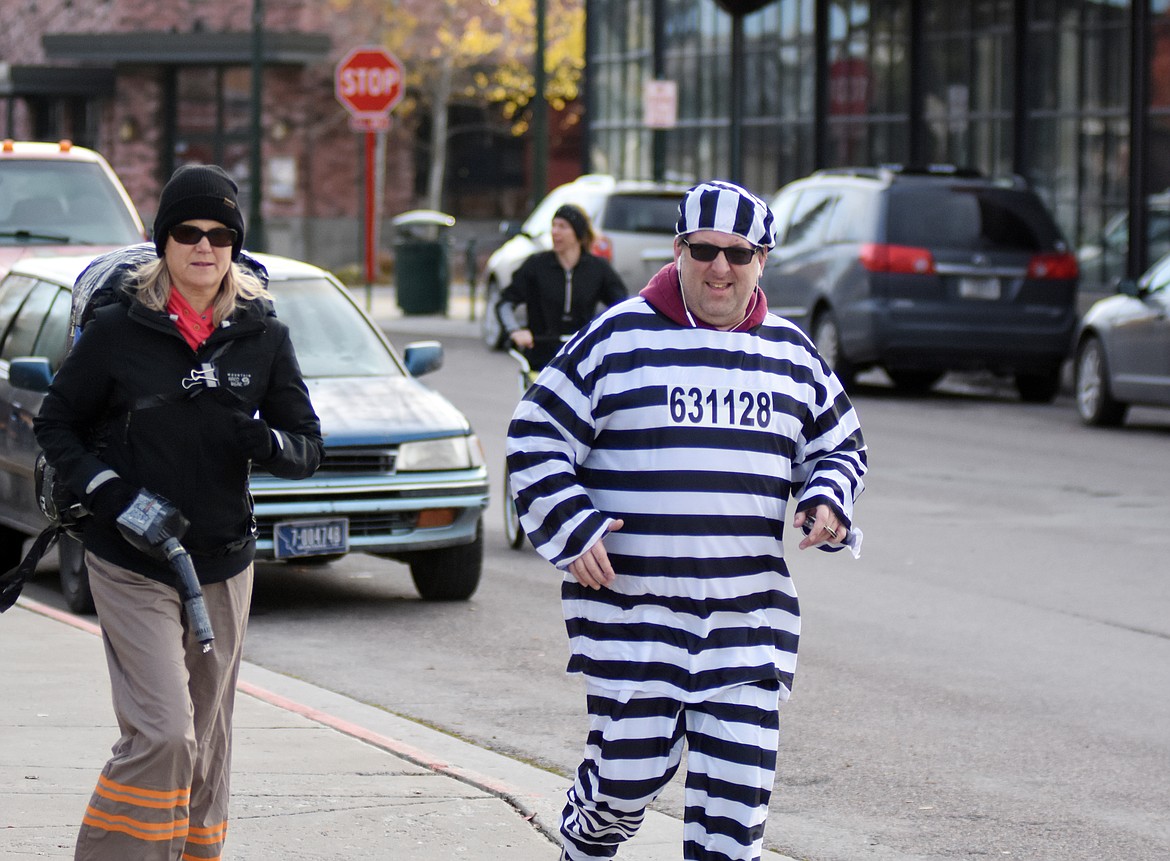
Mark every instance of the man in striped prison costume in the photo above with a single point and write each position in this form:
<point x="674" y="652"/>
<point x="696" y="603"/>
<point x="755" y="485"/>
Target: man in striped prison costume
<point x="653" y="461"/>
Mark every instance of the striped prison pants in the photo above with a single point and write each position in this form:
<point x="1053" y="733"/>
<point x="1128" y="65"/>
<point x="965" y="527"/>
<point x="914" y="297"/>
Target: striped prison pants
<point x="163" y="795"/>
<point x="634" y="748"/>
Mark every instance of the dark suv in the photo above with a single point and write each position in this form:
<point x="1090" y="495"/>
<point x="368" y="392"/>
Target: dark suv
<point x="925" y="271"/>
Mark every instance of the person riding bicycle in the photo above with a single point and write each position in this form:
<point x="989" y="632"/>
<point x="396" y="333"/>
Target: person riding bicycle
<point x="560" y="289"/>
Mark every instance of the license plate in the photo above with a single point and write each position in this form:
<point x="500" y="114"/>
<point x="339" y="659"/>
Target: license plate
<point x="979" y="288"/>
<point x="310" y="538"/>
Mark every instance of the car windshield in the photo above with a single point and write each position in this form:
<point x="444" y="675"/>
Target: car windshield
<point x="331" y="337"/>
<point x="61" y="203"/>
<point x="642" y="213"/>
<point x="970" y="218"/>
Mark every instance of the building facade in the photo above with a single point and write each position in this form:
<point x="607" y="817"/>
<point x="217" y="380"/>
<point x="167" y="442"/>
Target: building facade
<point x="155" y="85"/>
<point x="1074" y="95"/>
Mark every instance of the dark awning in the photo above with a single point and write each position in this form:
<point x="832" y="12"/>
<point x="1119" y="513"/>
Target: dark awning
<point x="184" y="49"/>
<point x="56" y="81"/>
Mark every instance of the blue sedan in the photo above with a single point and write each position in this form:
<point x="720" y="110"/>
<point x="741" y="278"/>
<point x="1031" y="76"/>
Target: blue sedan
<point x="403" y="475"/>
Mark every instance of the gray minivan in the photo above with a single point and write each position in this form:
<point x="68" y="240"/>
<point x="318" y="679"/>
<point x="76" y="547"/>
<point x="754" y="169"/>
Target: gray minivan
<point x="921" y="272"/>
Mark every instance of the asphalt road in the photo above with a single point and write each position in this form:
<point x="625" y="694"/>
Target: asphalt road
<point x="990" y="679"/>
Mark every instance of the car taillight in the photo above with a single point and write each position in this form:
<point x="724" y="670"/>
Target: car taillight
<point x="897" y="259"/>
<point x="602" y="247"/>
<point x="1054" y="266"/>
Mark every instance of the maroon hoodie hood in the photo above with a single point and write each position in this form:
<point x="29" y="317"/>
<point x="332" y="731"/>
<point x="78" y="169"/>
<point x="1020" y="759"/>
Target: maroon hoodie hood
<point x="664" y="293"/>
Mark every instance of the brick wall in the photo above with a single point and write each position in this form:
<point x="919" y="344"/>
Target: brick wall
<point x="301" y="119"/>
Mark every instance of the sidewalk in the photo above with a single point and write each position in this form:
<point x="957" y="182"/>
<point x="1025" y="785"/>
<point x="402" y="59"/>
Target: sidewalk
<point x="317" y="776"/>
<point x="381" y="302"/>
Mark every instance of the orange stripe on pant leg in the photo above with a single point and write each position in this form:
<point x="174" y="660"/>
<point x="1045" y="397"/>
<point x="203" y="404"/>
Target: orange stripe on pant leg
<point x="205" y="844"/>
<point x="152" y="831"/>
<point x="208" y="835"/>
<point x="140" y="796"/>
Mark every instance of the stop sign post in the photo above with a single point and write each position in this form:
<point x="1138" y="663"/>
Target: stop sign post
<point x="368" y="82"/>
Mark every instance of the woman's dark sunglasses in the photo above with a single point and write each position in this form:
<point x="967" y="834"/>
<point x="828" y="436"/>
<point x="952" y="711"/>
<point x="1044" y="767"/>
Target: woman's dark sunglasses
<point x="189" y="234"/>
<point x="706" y="253"/>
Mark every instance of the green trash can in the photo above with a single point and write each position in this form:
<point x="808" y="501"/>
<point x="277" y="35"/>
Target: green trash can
<point x="422" y="269"/>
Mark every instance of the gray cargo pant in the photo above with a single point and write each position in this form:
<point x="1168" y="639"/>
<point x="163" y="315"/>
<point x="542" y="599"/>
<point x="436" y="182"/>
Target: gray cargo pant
<point x="164" y="793"/>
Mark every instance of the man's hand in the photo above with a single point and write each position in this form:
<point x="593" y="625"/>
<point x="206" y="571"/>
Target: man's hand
<point x="826" y="528"/>
<point x="523" y="339"/>
<point x="592" y="569"/>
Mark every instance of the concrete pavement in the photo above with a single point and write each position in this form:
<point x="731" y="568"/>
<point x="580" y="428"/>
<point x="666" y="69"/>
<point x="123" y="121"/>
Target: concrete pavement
<point x="317" y="775"/>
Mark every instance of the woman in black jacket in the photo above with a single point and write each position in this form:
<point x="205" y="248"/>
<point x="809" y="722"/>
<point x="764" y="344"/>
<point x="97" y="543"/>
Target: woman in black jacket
<point x="560" y="289"/>
<point x="177" y="387"/>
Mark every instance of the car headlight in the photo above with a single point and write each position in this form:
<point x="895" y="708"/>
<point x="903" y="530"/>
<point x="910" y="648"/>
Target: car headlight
<point x="453" y="452"/>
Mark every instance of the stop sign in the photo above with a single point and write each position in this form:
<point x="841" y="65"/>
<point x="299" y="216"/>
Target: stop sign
<point x="368" y="81"/>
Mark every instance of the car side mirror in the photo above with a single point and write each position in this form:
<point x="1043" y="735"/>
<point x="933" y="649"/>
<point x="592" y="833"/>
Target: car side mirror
<point x="30" y="372"/>
<point x="423" y="357"/>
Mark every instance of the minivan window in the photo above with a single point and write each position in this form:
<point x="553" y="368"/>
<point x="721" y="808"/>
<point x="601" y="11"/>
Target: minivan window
<point x="810" y="217"/>
<point x="970" y="218"/>
<point x="853" y="217"/>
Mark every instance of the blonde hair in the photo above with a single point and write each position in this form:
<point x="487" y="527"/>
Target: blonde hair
<point x="151" y="283"/>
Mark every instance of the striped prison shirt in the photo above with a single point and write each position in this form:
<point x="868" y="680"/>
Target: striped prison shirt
<point x="696" y="439"/>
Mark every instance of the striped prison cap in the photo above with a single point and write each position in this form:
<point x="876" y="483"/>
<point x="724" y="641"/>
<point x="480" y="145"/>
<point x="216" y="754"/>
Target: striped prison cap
<point x="726" y="208"/>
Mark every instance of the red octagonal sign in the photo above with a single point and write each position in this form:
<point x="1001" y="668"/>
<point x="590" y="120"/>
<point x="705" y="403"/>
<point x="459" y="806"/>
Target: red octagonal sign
<point x="368" y="81"/>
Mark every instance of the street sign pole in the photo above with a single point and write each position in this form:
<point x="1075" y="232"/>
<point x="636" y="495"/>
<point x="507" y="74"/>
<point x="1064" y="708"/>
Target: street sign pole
<point x="371" y="213"/>
<point x="368" y="82"/>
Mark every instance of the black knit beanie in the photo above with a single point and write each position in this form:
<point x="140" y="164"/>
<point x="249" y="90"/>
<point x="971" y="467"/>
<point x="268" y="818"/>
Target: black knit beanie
<point x="198" y="191"/>
<point x="577" y="219"/>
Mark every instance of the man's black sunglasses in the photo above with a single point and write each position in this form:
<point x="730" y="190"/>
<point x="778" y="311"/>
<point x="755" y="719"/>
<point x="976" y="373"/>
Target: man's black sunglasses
<point x="189" y="234"/>
<point x="706" y="253"/>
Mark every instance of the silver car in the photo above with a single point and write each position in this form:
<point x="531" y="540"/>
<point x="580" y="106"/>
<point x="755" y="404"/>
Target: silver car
<point x="1123" y="349"/>
<point x="634" y="222"/>
<point x="403" y="475"/>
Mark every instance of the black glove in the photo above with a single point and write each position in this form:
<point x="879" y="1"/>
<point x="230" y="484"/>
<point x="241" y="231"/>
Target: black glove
<point x="254" y="437"/>
<point x="111" y="499"/>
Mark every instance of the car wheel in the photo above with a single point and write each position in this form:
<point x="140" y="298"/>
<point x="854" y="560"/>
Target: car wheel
<point x="74" y="575"/>
<point x="450" y="574"/>
<point x="1095" y="404"/>
<point x="512" y="530"/>
<point x="1038" y="388"/>
<point x="914" y="382"/>
<point x="826" y="335"/>
<point x="490" y="328"/>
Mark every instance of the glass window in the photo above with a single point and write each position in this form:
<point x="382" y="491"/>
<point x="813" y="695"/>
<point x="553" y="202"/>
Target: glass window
<point x="976" y="219"/>
<point x="331" y="337"/>
<point x="53" y="340"/>
<point x="12" y="292"/>
<point x="854" y="217"/>
<point x="810" y="217"/>
<point x="22" y="335"/>
<point x="58" y="202"/>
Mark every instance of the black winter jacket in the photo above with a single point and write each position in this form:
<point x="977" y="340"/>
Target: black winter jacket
<point x="559" y="301"/>
<point x="132" y="396"/>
